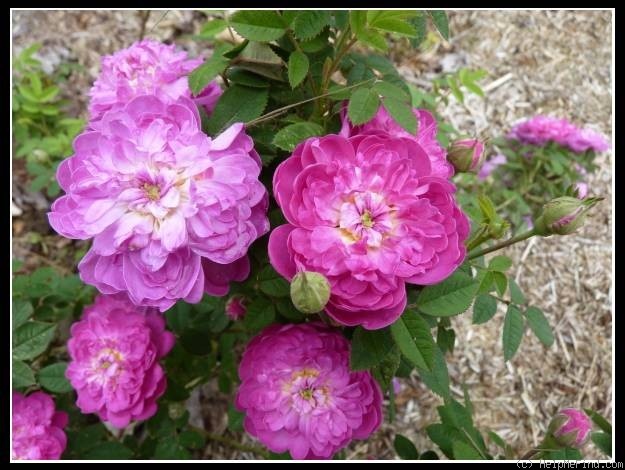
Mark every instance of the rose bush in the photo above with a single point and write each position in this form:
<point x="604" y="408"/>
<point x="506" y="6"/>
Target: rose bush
<point x="345" y="220"/>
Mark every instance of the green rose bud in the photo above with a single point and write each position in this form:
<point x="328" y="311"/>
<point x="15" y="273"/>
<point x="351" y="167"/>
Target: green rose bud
<point x="310" y="292"/>
<point x="466" y="155"/>
<point x="563" y="215"/>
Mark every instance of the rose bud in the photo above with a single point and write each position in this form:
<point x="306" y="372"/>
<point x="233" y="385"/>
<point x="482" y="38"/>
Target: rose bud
<point x="235" y="307"/>
<point x="310" y="292"/>
<point x="466" y="155"/>
<point x="570" y="428"/>
<point x="563" y="215"/>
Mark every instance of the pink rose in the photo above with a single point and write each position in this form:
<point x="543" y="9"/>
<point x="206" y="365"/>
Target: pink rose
<point x="115" y="350"/>
<point x="368" y="214"/>
<point x="37" y="428"/>
<point x="163" y="203"/>
<point x="299" y="394"/>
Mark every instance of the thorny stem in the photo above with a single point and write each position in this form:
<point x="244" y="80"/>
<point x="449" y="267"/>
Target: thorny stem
<point x="231" y="442"/>
<point x="498" y="246"/>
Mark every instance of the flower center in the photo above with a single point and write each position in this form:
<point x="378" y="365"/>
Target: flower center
<point x="152" y="191"/>
<point x="365" y="216"/>
<point x="306" y="394"/>
<point x="106" y="366"/>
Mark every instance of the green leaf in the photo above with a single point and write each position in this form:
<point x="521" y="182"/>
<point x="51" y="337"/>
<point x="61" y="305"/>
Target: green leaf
<point x="438" y="379"/>
<point x="439" y="18"/>
<point x="387" y="368"/>
<point x="501" y="282"/>
<point x="539" y="325"/>
<point x="259" y="53"/>
<point x="22" y="311"/>
<point x="513" y="329"/>
<point x="373" y="39"/>
<point x="496" y="438"/>
<point x="603" y="441"/>
<point x="412" y="335"/>
<point x="22" y="375"/>
<point x="446" y="339"/>
<point x="401" y="112"/>
<point x="568" y="453"/>
<point x="455" y="88"/>
<point x="388" y="90"/>
<point x="241" y="76"/>
<point x="52" y="378"/>
<point x="298" y="68"/>
<point x="213" y="28"/>
<point x="500" y="263"/>
<point x="405" y="449"/>
<point x="484" y="309"/>
<point x="191" y="439"/>
<point x="31" y="339"/>
<point x="463" y="451"/>
<point x="516" y="295"/>
<point x="392" y="25"/>
<point x="599" y="420"/>
<point x="419" y="22"/>
<point x="310" y="23"/>
<point x="272" y="284"/>
<point x="235" y="419"/>
<point x="260" y="313"/>
<point x="195" y="341"/>
<point x="369" y="347"/>
<point x="362" y="106"/>
<point x="237" y="104"/>
<point x="441" y="436"/>
<point x="288" y="137"/>
<point x="258" y="25"/>
<point x="358" y="21"/>
<point x="200" y="77"/>
<point x="429" y="455"/>
<point x="450" y="297"/>
<point x="109" y="451"/>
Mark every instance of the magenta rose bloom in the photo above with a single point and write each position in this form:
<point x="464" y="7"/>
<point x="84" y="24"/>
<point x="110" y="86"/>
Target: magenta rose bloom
<point x="114" y="351"/>
<point x="367" y="213"/>
<point x="571" y="427"/>
<point x="37" y="428"/>
<point x="298" y="393"/>
<point x="147" y="67"/>
<point x="171" y="211"/>
<point x="383" y="123"/>
<point x="541" y="130"/>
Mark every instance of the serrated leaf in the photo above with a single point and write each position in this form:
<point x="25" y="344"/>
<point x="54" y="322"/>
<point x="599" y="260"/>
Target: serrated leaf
<point x="439" y="18"/>
<point x="603" y="441"/>
<point x="412" y="335"/>
<point x="419" y="22"/>
<point x="260" y="313"/>
<point x="516" y="295"/>
<point x="213" y="28"/>
<point x="484" y="309"/>
<point x="109" y="451"/>
<point x="402" y="113"/>
<point x="200" y="77"/>
<point x="496" y="438"/>
<point x="52" y="378"/>
<point x="441" y="436"/>
<point x="369" y="347"/>
<point x="463" y="451"/>
<point x="310" y="23"/>
<point x="363" y="105"/>
<point x="291" y="135"/>
<point x="357" y="21"/>
<point x="455" y="88"/>
<point x="388" y="90"/>
<point x="429" y="455"/>
<point x="500" y="263"/>
<point x="599" y="420"/>
<point x="272" y="284"/>
<point x="501" y="282"/>
<point x="22" y="376"/>
<point x="373" y="39"/>
<point x="258" y="25"/>
<point x="386" y="369"/>
<point x="437" y="380"/>
<point x="259" y="53"/>
<point x="513" y="329"/>
<point x="539" y="325"/>
<point x="298" y="68"/>
<point x="450" y="297"/>
<point x="405" y="449"/>
<point x="22" y="311"/>
<point x="191" y="439"/>
<point x="396" y="26"/>
<point x="237" y="104"/>
<point x="243" y="77"/>
<point x="32" y="339"/>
